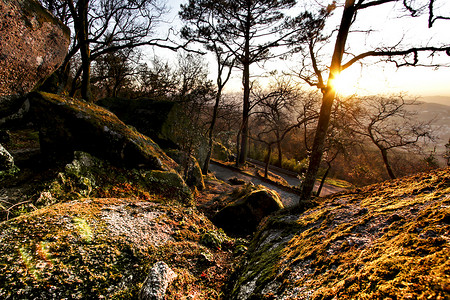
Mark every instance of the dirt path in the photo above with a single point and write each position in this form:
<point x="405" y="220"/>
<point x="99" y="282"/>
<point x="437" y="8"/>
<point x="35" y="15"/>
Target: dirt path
<point x="289" y="199"/>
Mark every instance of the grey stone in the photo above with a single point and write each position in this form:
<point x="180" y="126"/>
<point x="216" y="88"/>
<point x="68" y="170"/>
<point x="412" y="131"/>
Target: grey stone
<point x="158" y="279"/>
<point x="6" y="160"/>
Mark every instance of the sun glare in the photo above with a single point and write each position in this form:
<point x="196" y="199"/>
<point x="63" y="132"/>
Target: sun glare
<point x="345" y="84"/>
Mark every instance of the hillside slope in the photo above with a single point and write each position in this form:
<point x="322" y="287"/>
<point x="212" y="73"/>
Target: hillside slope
<point x="385" y="241"/>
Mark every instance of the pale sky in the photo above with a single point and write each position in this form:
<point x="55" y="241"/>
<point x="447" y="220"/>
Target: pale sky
<point x="381" y="77"/>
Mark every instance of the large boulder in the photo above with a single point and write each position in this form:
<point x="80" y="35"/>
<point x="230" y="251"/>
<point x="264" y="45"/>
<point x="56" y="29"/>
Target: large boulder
<point x="148" y="116"/>
<point x="67" y="124"/>
<point x="386" y="241"/>
<point x="221" y="152"/>
<point x="242" y="216"/>
<point x="33" y="44"/>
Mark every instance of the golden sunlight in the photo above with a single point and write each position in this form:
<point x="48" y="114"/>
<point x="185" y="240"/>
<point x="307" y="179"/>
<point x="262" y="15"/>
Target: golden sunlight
<point x="345" y="84"/>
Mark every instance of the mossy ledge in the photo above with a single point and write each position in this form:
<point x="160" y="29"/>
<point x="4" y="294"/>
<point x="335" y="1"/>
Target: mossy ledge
<point x="385" y="241"/>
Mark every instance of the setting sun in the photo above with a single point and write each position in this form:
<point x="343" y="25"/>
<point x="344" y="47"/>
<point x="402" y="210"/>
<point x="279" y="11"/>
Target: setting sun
<point x="345" y="84"/>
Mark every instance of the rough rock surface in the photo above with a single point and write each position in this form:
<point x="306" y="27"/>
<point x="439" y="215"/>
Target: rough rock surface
<point x="159" y="278"/>
<point x="386" y="241"/>
<point x="243" y="215"/>
<point x="33" y="44"/>
<point x="67" y="124"/>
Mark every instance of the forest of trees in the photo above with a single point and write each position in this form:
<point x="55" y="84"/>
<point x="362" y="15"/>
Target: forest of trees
<point x="292" y="118"/>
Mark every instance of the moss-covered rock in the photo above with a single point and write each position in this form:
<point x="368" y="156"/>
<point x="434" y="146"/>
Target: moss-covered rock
<point x="221" y="152"/>
<point x="189" y="167"/>
<point x="104" y="249"/>
<point x="168" y="183"/>
<point x="386" y="241"/>
<point x="67" y="124"/>
<point x="252" y="204"/>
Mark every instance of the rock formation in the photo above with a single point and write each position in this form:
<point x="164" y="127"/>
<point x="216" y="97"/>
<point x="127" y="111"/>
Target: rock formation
<point x="67" y="124"/>
<point x="189" y="167"/>
<point x="146" y="115"/>
<point x="33" y="44"/>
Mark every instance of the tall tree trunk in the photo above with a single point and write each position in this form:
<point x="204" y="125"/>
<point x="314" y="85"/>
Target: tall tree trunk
<point x="318" y="145"/>
<point x="327" y="101"/>
<point x="238" y="148"/>
<point x="269" y="154"/>
<point x="280" y="154"/>
<point x="246" y="100"/>
<point x="210" y="132"/>
<point x="323" y="179"/>
<point x="387" y="163"/>
<point x="85" y="52"/>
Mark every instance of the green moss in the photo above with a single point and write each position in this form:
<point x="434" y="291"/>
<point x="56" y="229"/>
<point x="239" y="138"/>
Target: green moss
<point x="9" y="173"/>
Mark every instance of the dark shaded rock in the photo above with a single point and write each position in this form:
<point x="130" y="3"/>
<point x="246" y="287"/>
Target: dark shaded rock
<point x="242" y="216"/>
<point x="237" y="181"/>
<point x="159" y="278"/>
<point x="67" y="124"/>
<point x="169" y="183"/>
<point x="33" y="44"/>
<point x="6" y="160"/>
<point x="148" y="116"/>
<point x="189" y="167"/>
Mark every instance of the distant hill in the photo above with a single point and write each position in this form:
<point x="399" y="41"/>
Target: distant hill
<point x="445" y="100"/>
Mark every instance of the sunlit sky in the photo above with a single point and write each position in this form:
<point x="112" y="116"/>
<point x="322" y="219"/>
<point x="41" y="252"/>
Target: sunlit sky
<point x="371" y="77"/>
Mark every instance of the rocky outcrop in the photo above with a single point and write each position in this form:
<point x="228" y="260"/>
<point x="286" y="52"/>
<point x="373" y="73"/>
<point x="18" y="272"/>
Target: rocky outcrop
<point x="67" y="124"/>
<point x="88" y="176"/>
<point x="33" y="44"/>
<point x="386" y="241"/>
<point x="221" y="152"/>
<point x="252" y="204"/>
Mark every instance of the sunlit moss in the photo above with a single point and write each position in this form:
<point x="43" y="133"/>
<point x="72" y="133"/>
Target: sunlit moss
<point x="83" y="229"/>
<point x="385" y="241"/>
